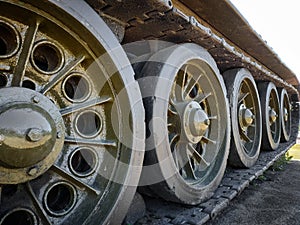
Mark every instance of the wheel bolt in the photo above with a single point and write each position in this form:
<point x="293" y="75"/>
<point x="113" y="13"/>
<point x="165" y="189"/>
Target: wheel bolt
<point x="34" y="134"/>
<point x="32" y="171"/>
<point x="207" y="122"/>
<point x="59" y="135"/>
<point x="36" y="99"/>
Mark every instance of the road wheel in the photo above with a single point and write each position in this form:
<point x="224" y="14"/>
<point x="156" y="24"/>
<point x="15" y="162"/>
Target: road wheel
<point x="285" y="112"/>
<point x="188" y="127"/>
<point x="270" y="115"/>
<point x="245" y="117"/>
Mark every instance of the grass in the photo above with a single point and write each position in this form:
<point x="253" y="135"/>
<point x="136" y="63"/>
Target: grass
<point x="295" y="152"/>
<point x="281" y="162"/>
<point x="278" y="165"/>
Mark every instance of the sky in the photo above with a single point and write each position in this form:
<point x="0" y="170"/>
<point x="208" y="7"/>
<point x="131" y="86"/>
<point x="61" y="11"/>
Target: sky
<point x="277" y="21"/>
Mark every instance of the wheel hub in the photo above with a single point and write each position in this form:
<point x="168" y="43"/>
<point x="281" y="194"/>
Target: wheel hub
<point x="272" y="115"/>
<point x="29" y="143"/>
<point x="246" y="117"/>
<point x="196" y="122"/>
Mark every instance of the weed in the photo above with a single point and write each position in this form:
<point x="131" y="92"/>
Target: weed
<point x="281" y="162"/>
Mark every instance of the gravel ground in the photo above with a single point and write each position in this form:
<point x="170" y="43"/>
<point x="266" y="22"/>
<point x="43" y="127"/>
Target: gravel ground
<point x="273" y="199"/>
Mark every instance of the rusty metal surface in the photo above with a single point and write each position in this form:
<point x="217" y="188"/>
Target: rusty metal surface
<point x="173" y="21"/>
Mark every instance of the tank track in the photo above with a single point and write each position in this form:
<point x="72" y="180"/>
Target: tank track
<point x="161" y="20"/>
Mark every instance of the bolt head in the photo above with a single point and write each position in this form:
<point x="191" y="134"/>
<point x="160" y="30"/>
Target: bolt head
<point x="36" y="99"/>
<point x="34" y="134"/>
<point x="59" y="134"/>
<point x="32" y="171"/>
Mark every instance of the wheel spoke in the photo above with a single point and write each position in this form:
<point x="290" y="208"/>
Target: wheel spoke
<point x="207" y="140"/>
<point x="69" y="176"/>
<point x="90" y="141"/>
<point x="62" y="74"/>
<point x="84" y="105"/>
<point x="24" y="55"/>
<point x="212" y="117"/>
<point x="171" y="110"/>
<point x="191" y="85"/>
<point x="199" y="158"/>
<point x="242" y="97"/>
<point x="244" y="148"/>
<point x="202" y="97"/>
<point x="39" y="206"/>
<point x="177" y="91"/>
<point x="245" y="137"/>
<point x="184" y="161"/>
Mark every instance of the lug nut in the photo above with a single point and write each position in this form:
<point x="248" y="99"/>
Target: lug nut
<point x="32" y="171"/>
<point x="34" y="134"/>
<point x="207" y="122"/>
<point x="36" y="99"/>
<point x="59" y="134"/>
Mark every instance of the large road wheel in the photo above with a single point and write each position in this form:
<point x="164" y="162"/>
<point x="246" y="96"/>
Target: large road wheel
<point x="245" y="117"/>
<point x="69" y="143"/>
<point x="188" y="124"/>
<point x="271" y="124"/>
<point x="285" y="113"/>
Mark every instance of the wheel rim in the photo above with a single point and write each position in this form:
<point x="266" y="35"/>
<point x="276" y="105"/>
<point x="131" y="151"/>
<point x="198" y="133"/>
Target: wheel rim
<point x="193" y="122"/>
<point x="61" y="119"/>
<point x="273" y="121"/>
<point x="285" y="108"/>
<point x="248" y="113"/>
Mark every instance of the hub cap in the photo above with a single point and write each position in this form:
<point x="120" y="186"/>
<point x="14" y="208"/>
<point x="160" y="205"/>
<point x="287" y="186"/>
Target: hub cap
<point x="273" y="115"/>
<point x="30" y="123"/>
<point x="246" y="117"/>
<point x="196" y="122"/>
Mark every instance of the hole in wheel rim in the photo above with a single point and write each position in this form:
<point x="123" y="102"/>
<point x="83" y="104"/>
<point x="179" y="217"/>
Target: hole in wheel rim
<point x="19" y="217"/>
<point x="76" y="88"/>
<point x="29" y="84"/>
<point x="9" y="40"/>
<point x="46" y="57"/>
<point x="88" y="124"/>
<point x="60" y="198"/>
<point x="3" y="80"/>
<point x="83" y="162"/>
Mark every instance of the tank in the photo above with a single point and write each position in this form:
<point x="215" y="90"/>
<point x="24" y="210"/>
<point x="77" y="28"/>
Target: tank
<point x="109" y="104"/>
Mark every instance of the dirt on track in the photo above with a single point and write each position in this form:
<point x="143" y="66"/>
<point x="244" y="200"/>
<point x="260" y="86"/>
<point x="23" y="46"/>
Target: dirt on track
<point x="273" y="199"/>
